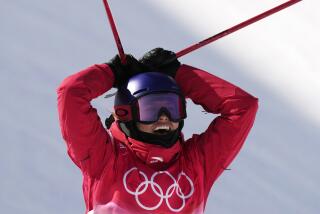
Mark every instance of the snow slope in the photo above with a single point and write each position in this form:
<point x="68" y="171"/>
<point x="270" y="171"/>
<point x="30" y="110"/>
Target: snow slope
<point x="276" y="60"/>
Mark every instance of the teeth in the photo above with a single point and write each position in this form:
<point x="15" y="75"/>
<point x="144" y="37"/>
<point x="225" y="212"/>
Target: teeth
<point x="162" y="127"/>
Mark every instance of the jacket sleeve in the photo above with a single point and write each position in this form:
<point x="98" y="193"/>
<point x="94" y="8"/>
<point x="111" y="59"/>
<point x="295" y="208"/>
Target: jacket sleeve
<point x="87" y="141"/>
<point x="220" y="143"/>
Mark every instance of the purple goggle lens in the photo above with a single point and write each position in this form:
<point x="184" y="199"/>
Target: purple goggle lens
<point x="151" y="106"/>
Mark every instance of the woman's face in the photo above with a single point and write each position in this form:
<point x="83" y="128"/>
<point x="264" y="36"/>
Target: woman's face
<point x="161" y="127"/>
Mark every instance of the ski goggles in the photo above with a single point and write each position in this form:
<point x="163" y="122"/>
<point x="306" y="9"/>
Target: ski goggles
<point x="150" y="107"/>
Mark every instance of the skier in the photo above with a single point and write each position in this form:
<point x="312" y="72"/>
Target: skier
<point x="141" y="163"/>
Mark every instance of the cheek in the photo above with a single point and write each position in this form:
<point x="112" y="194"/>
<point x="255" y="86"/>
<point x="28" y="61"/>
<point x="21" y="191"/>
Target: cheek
<point x="144" y="127"/>
<point x="175" y="126"/>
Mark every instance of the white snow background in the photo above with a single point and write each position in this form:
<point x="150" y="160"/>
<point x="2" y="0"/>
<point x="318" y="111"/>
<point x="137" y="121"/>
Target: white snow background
<point x="275" y="59"/>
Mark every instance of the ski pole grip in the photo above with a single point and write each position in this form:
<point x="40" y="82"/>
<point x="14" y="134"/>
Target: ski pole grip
<point x="168" y="61"/>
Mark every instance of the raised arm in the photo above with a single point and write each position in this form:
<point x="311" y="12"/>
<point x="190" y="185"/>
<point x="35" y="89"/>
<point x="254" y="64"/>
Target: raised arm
<point x="82" y="130"/>
<point x="220" y="143"/>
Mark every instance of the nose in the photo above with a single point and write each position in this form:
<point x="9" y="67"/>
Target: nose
<point x="163" y="118"/>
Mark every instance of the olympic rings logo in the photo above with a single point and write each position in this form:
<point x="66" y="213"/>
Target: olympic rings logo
<point x="157" y="190"/>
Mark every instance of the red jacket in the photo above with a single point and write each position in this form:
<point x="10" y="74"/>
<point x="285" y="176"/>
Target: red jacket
<point x="122" y="175"/>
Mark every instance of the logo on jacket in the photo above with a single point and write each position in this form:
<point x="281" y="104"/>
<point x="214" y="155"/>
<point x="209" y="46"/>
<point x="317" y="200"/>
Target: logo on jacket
<point x="163" y="195"/>
<point x="156" y="159"/>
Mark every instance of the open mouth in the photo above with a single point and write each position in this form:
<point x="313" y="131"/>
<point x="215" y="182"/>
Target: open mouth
<point x="161" y="130"/>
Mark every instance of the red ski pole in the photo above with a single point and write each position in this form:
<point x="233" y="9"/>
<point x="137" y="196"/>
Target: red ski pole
<point x="115" y="32"/>
<point x="235" y="28"/>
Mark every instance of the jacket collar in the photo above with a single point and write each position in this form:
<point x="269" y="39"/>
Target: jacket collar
<point x="153" y="155"/>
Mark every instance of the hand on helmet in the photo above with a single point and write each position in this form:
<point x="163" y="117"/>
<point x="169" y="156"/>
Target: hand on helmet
<point x="123" y="72"/>
<point x="158" y="60"/>
<point x="162" y="61"/>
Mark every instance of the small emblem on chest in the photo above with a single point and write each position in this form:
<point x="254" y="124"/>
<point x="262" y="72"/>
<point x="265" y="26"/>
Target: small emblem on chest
<point x="156" y="159"/>
<point x="123" y="150"/>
